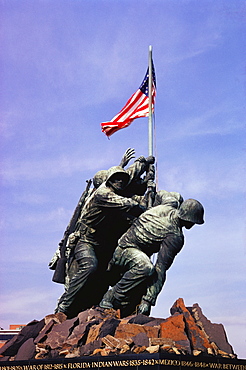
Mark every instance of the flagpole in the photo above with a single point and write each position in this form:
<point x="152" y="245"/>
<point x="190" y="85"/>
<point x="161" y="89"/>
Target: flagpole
<point x="150" y="103"/>
<point x="150" y="82"/>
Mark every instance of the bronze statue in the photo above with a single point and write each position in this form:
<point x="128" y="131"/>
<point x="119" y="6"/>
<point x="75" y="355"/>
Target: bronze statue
<point x="159" y="229"/>
<point x="106" y="214"/>
<point x="115" y="229"/>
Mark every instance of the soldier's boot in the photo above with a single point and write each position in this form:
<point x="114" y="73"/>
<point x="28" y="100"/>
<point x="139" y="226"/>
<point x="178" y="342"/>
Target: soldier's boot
<point x="109" y="301"/>
<point x="60" y="308"/>
<point x="144" y="308"/>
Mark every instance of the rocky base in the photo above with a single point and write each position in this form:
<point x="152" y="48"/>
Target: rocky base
<point x="98" y="332"/>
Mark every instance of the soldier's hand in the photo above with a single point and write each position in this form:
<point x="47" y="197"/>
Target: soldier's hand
<point x="144" y="308"/>
<point x="151" y="190"/>
<point x="150" y="175"/>
<point x="141" y="159"/>
<point x="128" y="155"/>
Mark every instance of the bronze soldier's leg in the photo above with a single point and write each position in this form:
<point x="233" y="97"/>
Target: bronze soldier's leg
<point x="137" y="268"/>
<point x="87" y="265"/>
<point x="164" y="261"/>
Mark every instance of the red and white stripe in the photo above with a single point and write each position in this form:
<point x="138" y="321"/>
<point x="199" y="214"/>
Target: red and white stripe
<point x="137" y="106"/>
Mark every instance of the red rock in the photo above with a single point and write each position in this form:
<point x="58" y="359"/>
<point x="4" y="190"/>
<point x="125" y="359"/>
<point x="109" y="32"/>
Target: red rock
<point x="141" y="340"/>
<point x="161" y="342"/>
<point x="145" y="320"/>
<point x="43" y="333"/>
<point x="174" y="328"/>
<point x="41" y="350"/>
<point x="4" y="358"/>
<point x="26" y="351"/>
<point x="107" y="351"/>
<point x="130" y="330"/>
<point x="186" y="331"/>
<point x="89" y="348"/>
<point x="153" y="349"/>
<point x="139" y="349"/>
<point x="31" y="330"/>
<point x="94" y="333"/>
<point x="64" y="352"/>
<point x="140" y="319"/>
<point x="96" y="351"/>
<point x="113" y="342"/>
<point x="196" y="336"/>
<point x="215" y="332"/>
<point x="90" y="314"/>
<point x="155" y="322"/>
<point x="59" y="333"/>
<point x="97" y="313"/>
<point x="78" y="335"/>
<point x="124" y="349"/>
<point x="58" y="317"/>
<point x="108" y="327"/>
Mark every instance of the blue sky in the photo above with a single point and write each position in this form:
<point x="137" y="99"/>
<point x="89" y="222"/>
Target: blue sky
<point x="66" y="66"/>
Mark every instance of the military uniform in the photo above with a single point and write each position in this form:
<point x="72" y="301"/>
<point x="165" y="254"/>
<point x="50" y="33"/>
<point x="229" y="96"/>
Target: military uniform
<point x="105" y="217"/>
<point x="156" y="230"/>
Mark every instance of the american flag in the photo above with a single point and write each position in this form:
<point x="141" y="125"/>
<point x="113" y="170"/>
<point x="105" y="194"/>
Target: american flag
<point x="137" y="106"/>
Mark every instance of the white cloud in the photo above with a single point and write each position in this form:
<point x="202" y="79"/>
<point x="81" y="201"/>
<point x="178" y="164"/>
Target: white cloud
<point x="49" y="168"/>
<point x="50" y="220"/>
<point x="221" y="119"/>
<point x="7" y="125"/>
<point x="25" y="305"/>
<point x="192" y="182"/>
<point x="33" y="198"/>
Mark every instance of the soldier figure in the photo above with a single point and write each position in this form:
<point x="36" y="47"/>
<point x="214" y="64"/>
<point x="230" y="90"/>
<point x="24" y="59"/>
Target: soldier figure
<point x="159" y="229"/>
<point x="105" y="216"/>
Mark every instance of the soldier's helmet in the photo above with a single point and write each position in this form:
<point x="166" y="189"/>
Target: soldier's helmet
<point x="191" y="210"/>
<point x="99" y="178"/>
<point x="115" y="171"/>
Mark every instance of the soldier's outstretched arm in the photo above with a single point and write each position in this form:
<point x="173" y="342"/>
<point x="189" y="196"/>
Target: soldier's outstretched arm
<point x="115" y="201"/>
<point x="127" y="156"/>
